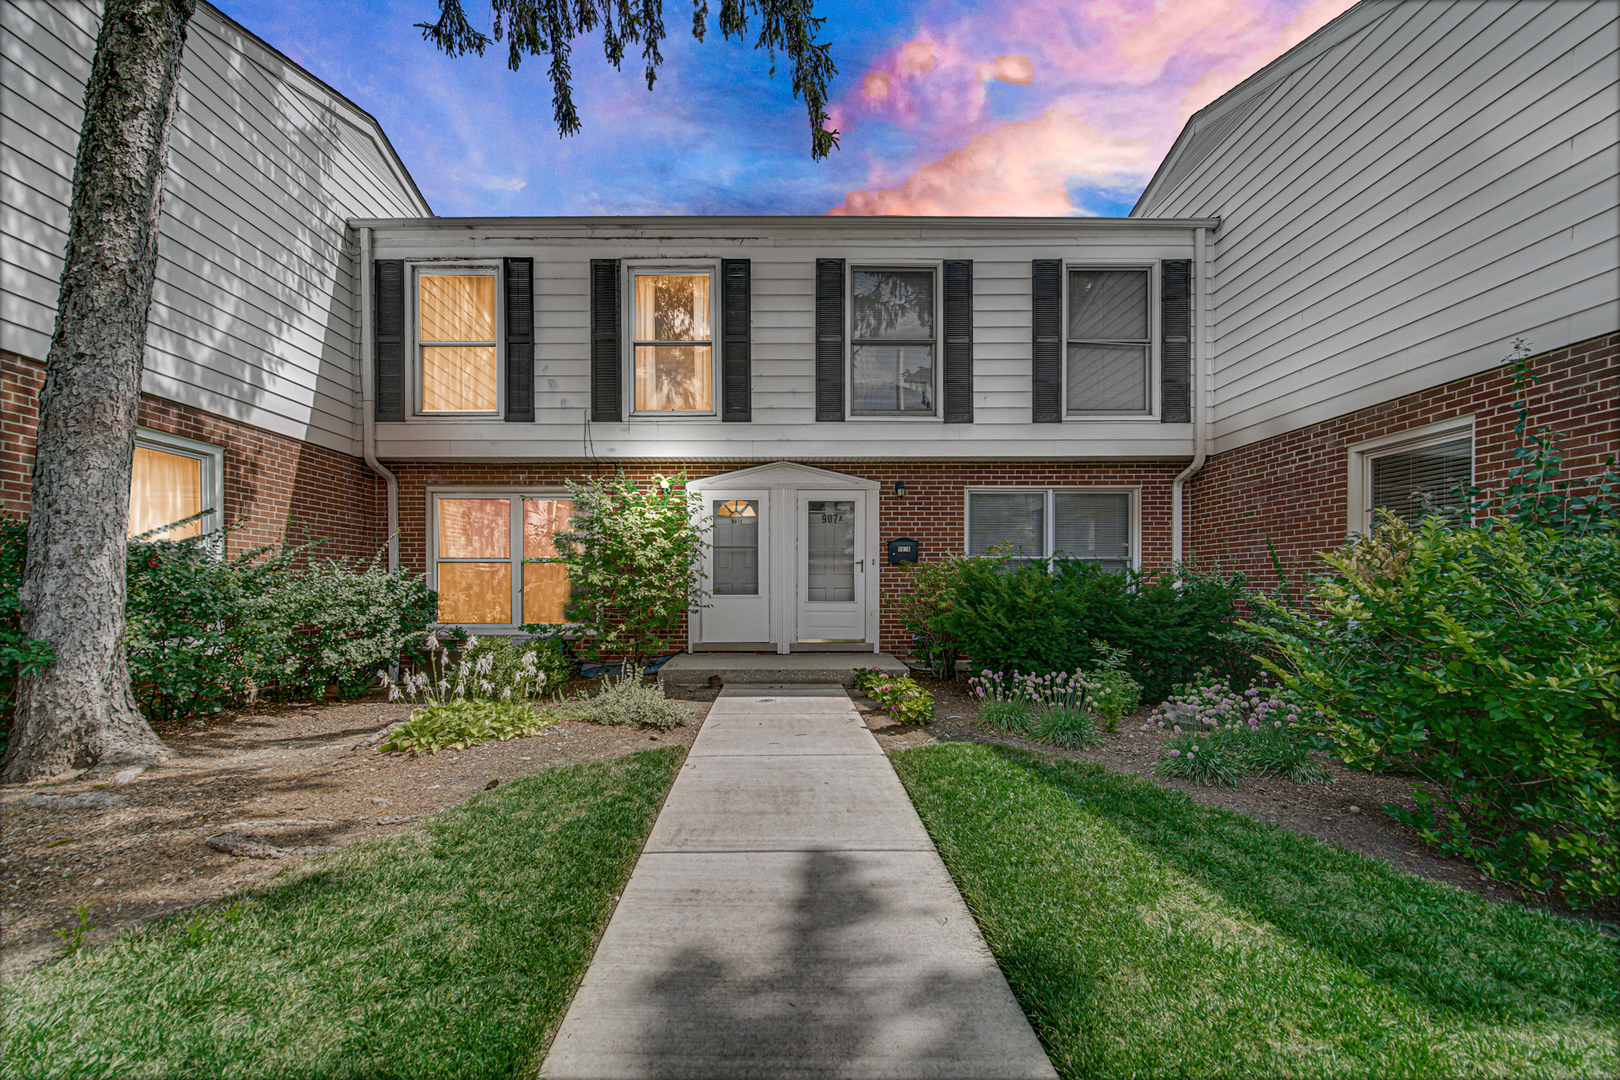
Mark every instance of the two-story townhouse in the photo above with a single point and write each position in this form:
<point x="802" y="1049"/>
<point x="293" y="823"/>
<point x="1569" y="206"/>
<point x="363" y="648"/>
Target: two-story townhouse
<point x="251" y="380"/>
<point x="1402" y="195"/>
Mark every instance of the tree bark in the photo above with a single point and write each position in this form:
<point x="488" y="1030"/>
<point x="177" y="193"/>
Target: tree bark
<point x="79" y="711"/>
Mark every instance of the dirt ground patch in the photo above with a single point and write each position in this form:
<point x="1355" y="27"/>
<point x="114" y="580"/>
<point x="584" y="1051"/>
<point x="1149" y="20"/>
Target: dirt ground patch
<point x="1345" y="811"/>
<point x="304" y="767"/>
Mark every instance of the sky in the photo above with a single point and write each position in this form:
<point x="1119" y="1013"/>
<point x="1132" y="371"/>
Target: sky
<point x="1014" y="107"/>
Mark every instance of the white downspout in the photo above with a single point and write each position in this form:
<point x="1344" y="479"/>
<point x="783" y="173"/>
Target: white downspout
<point x="368" y="400"/>
<point x="1202" y="386"/>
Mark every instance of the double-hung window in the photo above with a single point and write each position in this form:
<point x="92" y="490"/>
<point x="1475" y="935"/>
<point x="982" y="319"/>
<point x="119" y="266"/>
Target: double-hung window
<point x="481" y="546"/>
<point x="458" y="359"/>
<point x="1037" y="526"/>
<point x="1110" y="347"/>
<point x="892" y="342"/>
<point x="674" y="346"/>
<point x="174" y="480"/>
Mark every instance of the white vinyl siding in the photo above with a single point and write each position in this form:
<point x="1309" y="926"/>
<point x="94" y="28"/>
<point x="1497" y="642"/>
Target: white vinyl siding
<point x="253" y="314"/>
<point x="1400" y="198"/>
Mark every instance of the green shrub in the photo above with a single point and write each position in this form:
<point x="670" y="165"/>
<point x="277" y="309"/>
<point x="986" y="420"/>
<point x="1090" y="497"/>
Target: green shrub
<point x="1112" y="692"/>
<point x="1074" y="729"/>
<point x="906" y="701"/>
<point x="463" y="722"/>
<point x="1011" y="616"/>
<point x="19" y="656"/>
<point x="1488" y="661"/>
<point x="1223" y="735"/>
<point x="626" y="699"/>
<point x="924" y="606"/>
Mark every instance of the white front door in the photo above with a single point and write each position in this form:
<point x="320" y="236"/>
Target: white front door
<point x="739" y="569"/>
<point x="831" y="566"/>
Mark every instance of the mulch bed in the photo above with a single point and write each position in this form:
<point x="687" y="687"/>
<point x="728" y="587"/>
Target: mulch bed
<point x="237" y="771"/>
<point x="1345" y="811"/>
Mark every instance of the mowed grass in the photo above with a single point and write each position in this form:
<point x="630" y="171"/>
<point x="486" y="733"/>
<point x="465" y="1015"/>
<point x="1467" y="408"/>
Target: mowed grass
<point x="451" y="950"/>
<point x="1149" y="936"/>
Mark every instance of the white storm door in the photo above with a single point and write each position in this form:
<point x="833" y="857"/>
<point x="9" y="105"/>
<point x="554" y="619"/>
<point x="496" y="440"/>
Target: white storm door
<point x="832" y="564"/>
<point x="739" y="608"/>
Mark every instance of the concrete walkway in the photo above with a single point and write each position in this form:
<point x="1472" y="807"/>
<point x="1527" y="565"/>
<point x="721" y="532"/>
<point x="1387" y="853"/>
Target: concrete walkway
<point x="790" y="917"/>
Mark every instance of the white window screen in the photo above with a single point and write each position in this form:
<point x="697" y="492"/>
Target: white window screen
<point x="892" y="341"/>
<point x="1414" y="483"/>
<point x="1108" y="341"/>
<point x="1095" y="527"/>
<point x="1016" y="518"/>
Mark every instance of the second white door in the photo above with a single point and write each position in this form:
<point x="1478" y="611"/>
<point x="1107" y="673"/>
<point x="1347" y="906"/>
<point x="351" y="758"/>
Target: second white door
<point x="831" y="566"/>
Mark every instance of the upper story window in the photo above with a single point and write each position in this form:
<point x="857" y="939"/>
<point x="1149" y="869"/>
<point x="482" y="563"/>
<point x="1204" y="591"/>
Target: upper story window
<point x="1040" y="525"/>
<point x="1110" y="348"/>
<point x="456" y="338"/>
<point x="174" y="480"/>
<point x="892" y="342"/>
<point x="674" y="346"/>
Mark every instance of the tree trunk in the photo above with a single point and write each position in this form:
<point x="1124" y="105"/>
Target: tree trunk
<point x="79" y="711"/>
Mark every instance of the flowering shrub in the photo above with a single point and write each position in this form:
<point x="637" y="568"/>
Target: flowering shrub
<point x="1056" y="707"/>
<point x="925" y="606"/>
<point x="906" y="701"/>
<point x="462" y="722"/>
<point x="1223" y="735"/>
<point x="488" y="669"/>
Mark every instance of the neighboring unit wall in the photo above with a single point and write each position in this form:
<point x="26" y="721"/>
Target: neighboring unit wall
<point x="933" y="511"/>
<point x="275" y="488"/>
<point x="1401" y="196"/>
<point x="1293" y="490"/>
<point x="252" y="313"/>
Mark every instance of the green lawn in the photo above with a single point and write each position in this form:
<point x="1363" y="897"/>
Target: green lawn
<point x="1146" y="935"/>
<point x="451" y="950"/>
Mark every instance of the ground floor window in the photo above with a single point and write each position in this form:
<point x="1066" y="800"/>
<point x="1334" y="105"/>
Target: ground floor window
<point x="174" y="480"/>
<point x="1412" y="474"/>
<point x="1038" y="525"/>
<point x="480" y="543"/>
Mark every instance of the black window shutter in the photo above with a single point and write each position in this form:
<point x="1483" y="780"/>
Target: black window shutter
<point x="830" y="340"/>
<point x="607" y="400"/>
<point x="1046" y="320"/>
<point x="959" y="342"/>
<point x="735" y="323"/>
<point x="1175" y="345"/>
<point x="388" y="347"/>
<point x="519" y="340"/>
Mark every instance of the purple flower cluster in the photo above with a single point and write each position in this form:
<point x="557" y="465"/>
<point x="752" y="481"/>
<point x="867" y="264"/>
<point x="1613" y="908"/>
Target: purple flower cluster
<point x="1218" y="705"/>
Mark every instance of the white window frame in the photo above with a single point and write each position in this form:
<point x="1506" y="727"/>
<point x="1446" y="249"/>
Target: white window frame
<point x="634" y="269"/>
<point x="213" y="475"/>
<point x="516" y="495"/>
<point x="1359" y="470"/>
<point x="457" y="268"/>
<point x="1151" y="395"/>
<point x="1050" y="525"/>
<point x="937" y="267"/>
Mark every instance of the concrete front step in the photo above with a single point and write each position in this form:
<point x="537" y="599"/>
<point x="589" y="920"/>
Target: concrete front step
<point x="794" y="669"/>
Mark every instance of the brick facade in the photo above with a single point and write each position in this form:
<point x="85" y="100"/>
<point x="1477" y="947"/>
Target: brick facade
<point x="272" y="484"/>
<point x="932" y="512"/>
<point x="1293" y="488"/>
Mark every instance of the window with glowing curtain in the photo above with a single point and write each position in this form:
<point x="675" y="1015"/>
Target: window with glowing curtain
<point x="456" y="335"/>
<point x="483" y="544"/>
<point x="165" y="488"/>
<point x="674" y="350"/>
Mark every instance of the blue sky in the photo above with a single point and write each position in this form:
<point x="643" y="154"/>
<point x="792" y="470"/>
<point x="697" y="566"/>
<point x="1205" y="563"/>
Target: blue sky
<point x="1011" y="107"/>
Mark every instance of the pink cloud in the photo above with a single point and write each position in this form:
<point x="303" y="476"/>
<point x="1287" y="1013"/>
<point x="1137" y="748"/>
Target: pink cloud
<point x="1122" y="73"/>
<point x="1015" y="169"/>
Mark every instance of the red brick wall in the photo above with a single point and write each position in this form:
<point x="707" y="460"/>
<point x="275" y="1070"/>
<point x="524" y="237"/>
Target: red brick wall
<point x="1293" y="488"/>
<point x="931" y="513"/>
<point x="272" y="484"/>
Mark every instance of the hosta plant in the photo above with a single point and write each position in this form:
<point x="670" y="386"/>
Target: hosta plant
<point x="906" y="701"/>
<point x="462" y="722"/>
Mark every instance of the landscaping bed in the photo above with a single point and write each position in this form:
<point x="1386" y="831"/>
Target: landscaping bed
<point x="452" y="949"/>
<point x="1145" y="934"/>
<point x="149" y="857"/>
<point x="1322" y="811"/>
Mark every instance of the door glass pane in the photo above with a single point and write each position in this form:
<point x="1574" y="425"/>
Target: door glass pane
<point x="832" y="552"/>
<point x="1096" y="527"/>
<point x="1108" y="378"/>
<point x="475" y="592"/>
<point x="475" y="529"/>
<point x="736" y="547"/>
<point x="1014" y="518"/>
<point x="164" y="488"/>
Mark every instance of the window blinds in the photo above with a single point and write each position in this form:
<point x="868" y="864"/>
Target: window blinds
<point x="1417" y="482"/>
<point x="1017" y="518"/>
<point x="1098" y="527"/>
